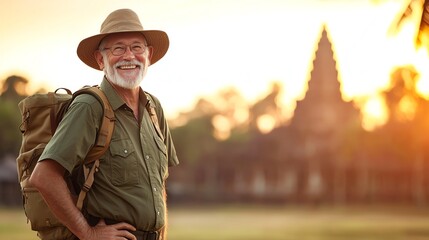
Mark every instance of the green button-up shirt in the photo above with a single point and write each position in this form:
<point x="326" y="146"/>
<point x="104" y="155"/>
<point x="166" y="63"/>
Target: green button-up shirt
<point x="130" y="183"/>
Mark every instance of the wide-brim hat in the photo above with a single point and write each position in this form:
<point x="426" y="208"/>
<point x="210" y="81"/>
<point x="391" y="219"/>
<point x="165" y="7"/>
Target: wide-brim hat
<point x="122" y="20"/>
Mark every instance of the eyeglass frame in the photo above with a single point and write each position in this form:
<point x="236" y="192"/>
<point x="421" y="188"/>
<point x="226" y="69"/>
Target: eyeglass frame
<point x="125" y="47"/>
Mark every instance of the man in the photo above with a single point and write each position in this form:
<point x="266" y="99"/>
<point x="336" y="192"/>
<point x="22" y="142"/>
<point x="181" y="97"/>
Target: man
<point x="128" y="197"/>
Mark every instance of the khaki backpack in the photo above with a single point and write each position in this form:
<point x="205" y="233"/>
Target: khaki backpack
<point x="41" y="114"/>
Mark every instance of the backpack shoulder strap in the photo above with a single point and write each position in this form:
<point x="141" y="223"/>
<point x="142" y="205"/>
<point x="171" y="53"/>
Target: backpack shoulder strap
<point x="107" y="124"/>
<point x="102" y="142"/>
<point x="150" y="107"/>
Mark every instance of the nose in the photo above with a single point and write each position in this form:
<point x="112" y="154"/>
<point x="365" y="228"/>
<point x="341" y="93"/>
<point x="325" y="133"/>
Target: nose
<point x="128" y="53"/>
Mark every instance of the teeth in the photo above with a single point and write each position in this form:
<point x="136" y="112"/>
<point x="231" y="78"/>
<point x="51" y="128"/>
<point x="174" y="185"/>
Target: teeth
<point x="128" y="67"/>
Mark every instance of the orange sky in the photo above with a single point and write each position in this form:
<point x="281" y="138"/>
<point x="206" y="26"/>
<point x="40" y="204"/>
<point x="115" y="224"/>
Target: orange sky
<point x="214" y="44"/>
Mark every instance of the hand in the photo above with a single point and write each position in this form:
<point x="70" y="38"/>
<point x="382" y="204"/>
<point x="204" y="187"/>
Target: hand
<point x="119" y="231"/>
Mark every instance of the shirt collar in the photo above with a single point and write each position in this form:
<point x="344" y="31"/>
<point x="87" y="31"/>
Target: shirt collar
<point x="113" y="97"/>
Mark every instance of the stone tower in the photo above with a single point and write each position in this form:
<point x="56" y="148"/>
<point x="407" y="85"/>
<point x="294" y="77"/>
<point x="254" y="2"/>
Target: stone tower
<point x="320" y="123"/>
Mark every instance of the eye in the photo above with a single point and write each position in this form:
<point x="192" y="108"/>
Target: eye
<point x="137" y="48"/>
<point x="118" y="49"/>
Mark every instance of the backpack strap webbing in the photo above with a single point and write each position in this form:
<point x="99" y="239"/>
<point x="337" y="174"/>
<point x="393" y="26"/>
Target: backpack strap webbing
<point x="102" y="141"/>
<point x="89" y="180"/>
<point x="107" y="124"/>
<point x="150" y="106"/>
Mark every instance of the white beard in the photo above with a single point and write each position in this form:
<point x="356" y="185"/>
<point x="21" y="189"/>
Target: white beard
<point x="113" y="75"/>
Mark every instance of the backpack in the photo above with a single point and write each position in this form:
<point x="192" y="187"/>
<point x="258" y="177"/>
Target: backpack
<point x="41" y="114"/>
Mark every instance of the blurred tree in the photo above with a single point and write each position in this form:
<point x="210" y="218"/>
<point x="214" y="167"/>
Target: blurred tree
<point x="10" y="137"/>
<point x="417" y="107"/>
<point x="13" y="91"/>
<point x="404" y="135"/>
<point x="267" y="106"/>
<point x="196" y="138"/>
<point x="402" y="98"/>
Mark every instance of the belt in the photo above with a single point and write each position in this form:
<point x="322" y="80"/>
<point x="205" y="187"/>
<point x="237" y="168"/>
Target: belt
<point x="140" y="235"/>
<point x="146" y="235"/>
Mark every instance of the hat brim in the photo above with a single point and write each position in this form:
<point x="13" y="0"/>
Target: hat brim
<point x="155" y="38"/>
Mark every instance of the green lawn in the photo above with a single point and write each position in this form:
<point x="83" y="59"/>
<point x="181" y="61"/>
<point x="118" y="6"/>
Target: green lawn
<point x="271" y="223"/>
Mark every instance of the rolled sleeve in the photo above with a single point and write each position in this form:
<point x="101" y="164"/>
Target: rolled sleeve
<point x="75" y="134"/>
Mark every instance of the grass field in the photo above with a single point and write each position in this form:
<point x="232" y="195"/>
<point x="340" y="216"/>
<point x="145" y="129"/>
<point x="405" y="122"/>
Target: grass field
<point x="271" y="223"/>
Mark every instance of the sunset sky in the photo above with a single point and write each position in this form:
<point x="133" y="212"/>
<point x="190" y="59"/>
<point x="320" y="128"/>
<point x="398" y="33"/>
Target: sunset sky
<point x="245" y="44"/>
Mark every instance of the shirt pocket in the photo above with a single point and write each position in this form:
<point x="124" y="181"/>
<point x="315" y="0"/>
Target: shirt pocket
<point x="163" y="158"/>
<point x="123" y="163"/>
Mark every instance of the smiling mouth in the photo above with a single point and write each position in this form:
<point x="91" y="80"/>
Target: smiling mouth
<point x="127" y="67"/>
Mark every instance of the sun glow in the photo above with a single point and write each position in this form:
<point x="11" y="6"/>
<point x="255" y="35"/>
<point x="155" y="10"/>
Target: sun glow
<point x="266" y="123"/>
<point x="219" y="44"/>
<point x="222" y="127"/>
<point x="396" y="50"/>
<point x="375" y="113"/>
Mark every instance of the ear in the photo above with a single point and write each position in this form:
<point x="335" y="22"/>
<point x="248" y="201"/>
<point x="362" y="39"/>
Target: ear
<point x="99" y="58"/>
<point x="150" y="53"/>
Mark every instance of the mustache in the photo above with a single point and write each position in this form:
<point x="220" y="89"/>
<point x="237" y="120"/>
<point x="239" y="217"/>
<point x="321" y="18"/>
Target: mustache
<point x="132" y="62"/>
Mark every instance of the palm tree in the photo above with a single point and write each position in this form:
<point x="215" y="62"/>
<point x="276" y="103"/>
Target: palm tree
<point x="413" y="7"/>
<point x="420" y="10"/>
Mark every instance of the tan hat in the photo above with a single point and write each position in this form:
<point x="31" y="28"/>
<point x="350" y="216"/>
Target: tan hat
<point x="122" y="20"/>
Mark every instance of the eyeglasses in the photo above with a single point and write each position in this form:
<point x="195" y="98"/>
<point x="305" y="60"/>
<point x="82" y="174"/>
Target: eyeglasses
<point x="120" y="49"/>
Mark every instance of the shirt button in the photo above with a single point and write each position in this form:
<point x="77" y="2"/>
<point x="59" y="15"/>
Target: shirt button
<point x="154" y="189"/>
<point x="147" y="157"/>
<point x="157" y="213"/>
<point x="125" y="151"/>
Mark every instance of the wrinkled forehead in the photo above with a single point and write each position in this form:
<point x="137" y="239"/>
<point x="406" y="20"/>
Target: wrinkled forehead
<point x="125" y="38"/>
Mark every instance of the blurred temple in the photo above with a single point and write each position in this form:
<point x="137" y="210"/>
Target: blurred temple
<point x="322" y="156"/>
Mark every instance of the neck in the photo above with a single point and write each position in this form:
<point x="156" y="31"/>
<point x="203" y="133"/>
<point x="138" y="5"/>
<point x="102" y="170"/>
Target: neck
<point x="130" y="97"/>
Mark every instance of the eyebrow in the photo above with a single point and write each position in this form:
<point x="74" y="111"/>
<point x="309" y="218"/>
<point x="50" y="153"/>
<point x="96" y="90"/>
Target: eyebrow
<point x="121" y="42"/>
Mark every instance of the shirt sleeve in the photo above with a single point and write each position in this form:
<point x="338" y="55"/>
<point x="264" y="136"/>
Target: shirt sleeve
<point x="75" y="134"/>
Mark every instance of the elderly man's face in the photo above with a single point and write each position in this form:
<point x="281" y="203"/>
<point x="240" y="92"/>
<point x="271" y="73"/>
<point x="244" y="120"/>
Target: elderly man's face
<point x="124" y="57"/>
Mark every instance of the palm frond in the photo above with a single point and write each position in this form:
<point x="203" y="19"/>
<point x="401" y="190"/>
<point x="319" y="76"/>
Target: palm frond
<point x="423" y="32"/>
